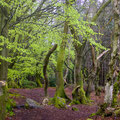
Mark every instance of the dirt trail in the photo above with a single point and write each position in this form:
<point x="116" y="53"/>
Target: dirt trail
<point x="50" y="112"/>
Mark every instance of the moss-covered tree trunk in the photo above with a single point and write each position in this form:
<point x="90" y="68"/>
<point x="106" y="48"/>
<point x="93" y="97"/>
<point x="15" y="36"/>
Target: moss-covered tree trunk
<point x="94" y="59"/>
<point x="60" y="63"/>
<point x="4" y="12"/>
<point x="78" y="62"/>
<point x="78" y="93"/>
<point x="3" y="32"/>
<point x="3" y="99"/>
<point x="46" y="60"/>
<point x="92" y="75"/>
<point x="114" y="55"/>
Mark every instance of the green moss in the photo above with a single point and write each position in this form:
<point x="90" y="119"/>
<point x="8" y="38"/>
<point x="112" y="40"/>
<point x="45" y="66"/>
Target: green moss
<point x="26" y="105"/>
<point x="11" y="113"/>
<point x="93" y="114"/>
<point x="75" y="109"/>
<point x="14" y="95"/>
<point x="78" y="95"/>
<point x="61" y="93"/>
<point x="117" y="112"/>
<point x="3" y="99"/>
<point x="9" y="105"/>
<point x="115" y="92"/>
<point x="101" y="111"/>
<point x="58" y="102"/>
<point x="39" y="83"/>
<point x="98" y="90"/>
<point x="82" y="97"/>
<point x="74" y="102"/>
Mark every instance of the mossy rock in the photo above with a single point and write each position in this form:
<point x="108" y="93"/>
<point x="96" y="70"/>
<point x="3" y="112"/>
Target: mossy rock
<point x="74" y="102"/>
<point x="58" y="102"/>
<point x="26" y="105"/>
<point x="75" y="109"/>
<point x="32" y="103"/>
<point x="45" y="101"/>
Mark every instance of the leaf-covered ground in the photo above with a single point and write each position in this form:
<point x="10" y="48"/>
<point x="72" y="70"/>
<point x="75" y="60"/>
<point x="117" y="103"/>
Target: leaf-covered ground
<point x="50" y="112"/>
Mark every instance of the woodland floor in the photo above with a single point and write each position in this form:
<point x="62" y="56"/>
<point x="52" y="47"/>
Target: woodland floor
<point x="52" y="113"/>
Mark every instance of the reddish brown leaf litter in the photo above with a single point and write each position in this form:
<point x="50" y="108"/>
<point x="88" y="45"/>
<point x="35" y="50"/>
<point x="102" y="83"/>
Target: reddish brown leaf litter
<point x="50" y="112"/>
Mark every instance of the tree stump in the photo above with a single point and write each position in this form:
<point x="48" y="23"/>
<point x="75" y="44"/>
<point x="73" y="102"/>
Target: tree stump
<point x="3" y="99"/>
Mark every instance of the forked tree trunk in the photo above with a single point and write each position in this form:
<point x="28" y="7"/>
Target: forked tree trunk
<point x="78" y="60"/>
<point x="78" y="93"/>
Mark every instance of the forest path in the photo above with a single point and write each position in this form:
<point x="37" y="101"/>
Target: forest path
<point x="50" y="112"/>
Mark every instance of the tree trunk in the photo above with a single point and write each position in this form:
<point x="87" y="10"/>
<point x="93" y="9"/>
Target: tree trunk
<point x="3" y="64"/>
<point x="92" y="75"/>
<point x="46" y="60"/>
<point x="4" y="33"/>
<point x="67" y="70"/>
<point x="78" y="93"/>
<point x="60" y="63"/>
<point x="114" y="55"/>
<point x="3" y="99"/>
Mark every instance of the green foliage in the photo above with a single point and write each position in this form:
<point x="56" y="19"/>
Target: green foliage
<point x="16" y="95"/>
<point x="39" y="84"/>
<point x="31" y="34"/>
<point x="75" y="109"/>
<point x="28" y="84"/>
<point x="12" y="84"/>
<point x="52" y="82"/>
<point x="101" y="110"/>
<point x="117" y="112"/>
<point x="89" y="119"/>
<point x="115" y="92"/>
<point x="9" y="106"/>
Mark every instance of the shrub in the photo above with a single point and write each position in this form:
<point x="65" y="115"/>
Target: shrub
<point x="28" y="84"/>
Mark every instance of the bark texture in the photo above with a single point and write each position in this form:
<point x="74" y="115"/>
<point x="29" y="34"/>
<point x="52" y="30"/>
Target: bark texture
<point x="60" y="63"/>
<point x="46" y="60"/>
<point x="3" y="99"/>
<point x="78" y="93"/>
<point x="115" y="52"/>
<point x="94" y="59"/>
<point x="4" y="12"/>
